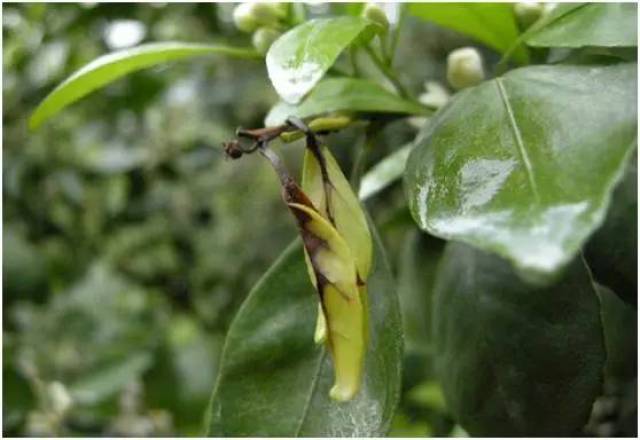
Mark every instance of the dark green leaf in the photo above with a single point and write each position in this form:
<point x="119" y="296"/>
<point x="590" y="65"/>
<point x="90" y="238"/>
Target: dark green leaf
<point x="612" y="252"/>
<point x="345" y="95"/>
<point x="493" y="24"/>
<point x="300" y="58"/>
<point x="17" y="396"/>
<point x="514" y="359"/>
<point x="416" y="276"/>
<point x="592" y="24"/>
<point x="274" y="381"/>
<point x="524" y="165"/>
<point x="24" y="270"/>
<point x="384" y="173"/>
<point x="108" y="68"/>
<point x="620" y="323"/>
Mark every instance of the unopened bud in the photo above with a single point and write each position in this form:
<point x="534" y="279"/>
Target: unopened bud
<point x="59" y="397"/>
<point x="243" y="18"/>
<point x="435" y="96"/>
<point x="263" y="38"/>
<point x="464" y="68"/>
<point x="528" y="13"/>
<point x="373" y="12"/>
<point x="250" y="16"/>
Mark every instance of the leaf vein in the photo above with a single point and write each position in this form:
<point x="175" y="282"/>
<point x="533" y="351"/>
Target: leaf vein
<point x="312" y="390"/>
<point x="524" y="155"/>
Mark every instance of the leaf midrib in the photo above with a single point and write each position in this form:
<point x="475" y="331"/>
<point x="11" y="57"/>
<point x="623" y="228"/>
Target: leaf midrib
<point x="523" y="154"/>
<point x="312" y="390"/>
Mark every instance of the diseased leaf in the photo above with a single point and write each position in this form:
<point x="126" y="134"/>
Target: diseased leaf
<point x="300" y="58"/>
<point x="345" y="209"/>
<point x="516" y="360"/>
<point x="274" y="381"/>
<point x="335" y="277"/>
<point x="524" y="165"/>
<point x="331" y="194"/>
<point x="588" y="24"/>
<point x="345" y="95"/>
<point x="110" y="67"/>
<point x="493" y="24"/>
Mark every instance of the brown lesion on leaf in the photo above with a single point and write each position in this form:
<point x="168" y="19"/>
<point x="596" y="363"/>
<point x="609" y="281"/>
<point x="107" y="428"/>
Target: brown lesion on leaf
<point x="291" y="191"/>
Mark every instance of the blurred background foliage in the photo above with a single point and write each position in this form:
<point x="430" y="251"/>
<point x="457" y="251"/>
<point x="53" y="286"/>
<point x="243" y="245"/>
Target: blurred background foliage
<point x="129" y="240"/>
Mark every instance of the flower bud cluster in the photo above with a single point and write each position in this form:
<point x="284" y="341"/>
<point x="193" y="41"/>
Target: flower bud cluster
<point x="264" y="20"/>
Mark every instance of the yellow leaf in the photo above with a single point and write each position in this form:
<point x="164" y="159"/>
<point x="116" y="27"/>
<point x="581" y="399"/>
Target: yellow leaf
<point x="341" y="294"/>
<point x="338" y="203"/>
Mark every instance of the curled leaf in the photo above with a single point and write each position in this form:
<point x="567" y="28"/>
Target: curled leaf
<point x="333" y="268"/>
<point x="337" y="282"/>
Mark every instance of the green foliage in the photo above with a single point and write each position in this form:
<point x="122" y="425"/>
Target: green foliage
<point x="384" y="172"/>
<point x="493" y="24"/>
<point x="514" y="359"/>
<point x="110" y="67"/>
<point x="517" y="188"/>
<point x="275" y="382"/>
<point x="300" y="58"/>
<point x="588" y="24"/>
<point x="612" y="252"/>
<point x="345" y="95"/>
<point x="130" y="243"/>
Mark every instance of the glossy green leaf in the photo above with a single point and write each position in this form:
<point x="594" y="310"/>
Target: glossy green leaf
<point x="274" y="381"/>
<point x="384" y="173"/>
<point x="493" y="24"/>
<point x="110" y="67"/>
<point x="524" y="165"/>
<point x="300" y="58"/>
<point x="589" y="24"/>
<point x="516" y="360"/>
<point x="345" y="95"/>
<point x="612" y="252"/>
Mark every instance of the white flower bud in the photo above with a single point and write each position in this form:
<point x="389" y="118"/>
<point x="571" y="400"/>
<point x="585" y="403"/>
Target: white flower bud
<point x="59" y="397"/>
<point x="251" y="15"/>
<point x="263" y="38"/>
<point x="528" y="13"/>
<point x="373" y="12"/>
<point x="436" y="95"/>
<point x="243" y="17"/>
<point x="464" y="68"/>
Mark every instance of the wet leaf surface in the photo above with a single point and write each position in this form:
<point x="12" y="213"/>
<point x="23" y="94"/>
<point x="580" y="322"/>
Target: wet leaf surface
<point x="514" y="359"/>
<point x="509" y="167"/>
<point x="275" y="381"/>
